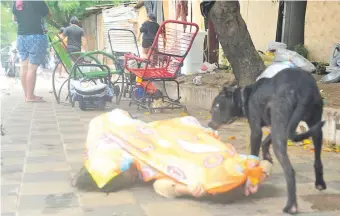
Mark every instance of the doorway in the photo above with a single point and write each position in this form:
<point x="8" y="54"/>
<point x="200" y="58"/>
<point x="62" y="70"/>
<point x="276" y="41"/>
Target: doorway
<point x="279" y="22"/>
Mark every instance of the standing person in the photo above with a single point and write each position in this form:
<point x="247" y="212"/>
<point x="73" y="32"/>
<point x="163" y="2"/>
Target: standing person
<point x="75" y="35"/>
<point x="57" y="59"/>
<point x="149" y="29"/>
<point x="31" y="42"/>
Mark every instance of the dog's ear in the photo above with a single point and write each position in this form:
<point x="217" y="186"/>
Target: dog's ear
<point x="228" y="91"/>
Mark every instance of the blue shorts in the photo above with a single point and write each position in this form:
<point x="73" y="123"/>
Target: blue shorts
<point x="33" y="47"/>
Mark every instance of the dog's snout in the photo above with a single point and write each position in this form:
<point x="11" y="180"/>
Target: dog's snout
<point x="213" y="125"/>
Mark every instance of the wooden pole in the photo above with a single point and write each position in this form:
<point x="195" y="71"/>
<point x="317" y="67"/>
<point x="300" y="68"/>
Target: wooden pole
<point x="213" y="43"/>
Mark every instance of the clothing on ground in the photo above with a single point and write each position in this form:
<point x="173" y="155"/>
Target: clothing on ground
<point x="74" y="34"/>
<point x="29" y="17"/>
<point x="33" y="47"/>
<point x="149" y="30"/>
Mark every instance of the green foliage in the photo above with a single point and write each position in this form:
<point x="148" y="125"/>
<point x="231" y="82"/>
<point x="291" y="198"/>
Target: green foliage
<point x="302" y="50"/>
<point x="320" y="68"/>
<point x="225" y="63"/>
<point x="61" y="12"/>
<point x="8" y="27"/>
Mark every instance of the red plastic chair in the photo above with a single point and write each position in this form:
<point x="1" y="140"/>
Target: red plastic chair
<point x="163" y="63"/>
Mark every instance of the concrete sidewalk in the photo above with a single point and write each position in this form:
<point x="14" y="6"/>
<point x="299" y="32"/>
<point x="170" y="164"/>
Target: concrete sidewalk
<point x="44" y="147"/>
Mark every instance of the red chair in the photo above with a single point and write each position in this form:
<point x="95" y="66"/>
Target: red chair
<point x="163" y="64"/>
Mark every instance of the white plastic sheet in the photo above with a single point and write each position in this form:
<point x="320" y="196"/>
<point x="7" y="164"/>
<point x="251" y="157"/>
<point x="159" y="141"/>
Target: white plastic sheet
<point x="282" y="55"/>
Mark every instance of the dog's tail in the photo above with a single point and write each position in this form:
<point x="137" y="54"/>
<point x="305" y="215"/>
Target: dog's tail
<point x="295" y="120"/>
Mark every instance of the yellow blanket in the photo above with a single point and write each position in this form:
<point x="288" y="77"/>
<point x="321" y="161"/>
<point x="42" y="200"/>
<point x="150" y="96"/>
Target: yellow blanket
<point x="179" y="148"/>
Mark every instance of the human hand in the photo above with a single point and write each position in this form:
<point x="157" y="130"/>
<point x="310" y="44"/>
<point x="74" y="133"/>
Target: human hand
<point x="197" y="190"/>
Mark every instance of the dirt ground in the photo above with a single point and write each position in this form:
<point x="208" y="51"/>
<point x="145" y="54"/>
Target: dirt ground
<point x="330" y="92"/>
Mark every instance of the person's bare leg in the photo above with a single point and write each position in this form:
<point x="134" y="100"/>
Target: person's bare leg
<point x="145" y="52"/>
<point x="23" y="75"/>
<point x="30" y="82"/>
<point x="60" y="70"/>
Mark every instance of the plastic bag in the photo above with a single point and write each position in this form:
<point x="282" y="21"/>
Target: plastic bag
<point x="273" y="45"/>
<point x="275" y="68"/>
<point x="179" y="149"/>
<point x="298" y="60"/>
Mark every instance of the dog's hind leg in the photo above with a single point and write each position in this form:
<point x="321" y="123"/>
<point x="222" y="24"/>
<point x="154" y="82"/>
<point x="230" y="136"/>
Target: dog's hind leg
<point x="265" y="149"/>
<point x="279" y="139"/>
<point x="255" y="139"/>
<point x="280" y="112"/>
<point x="317" y="142"/>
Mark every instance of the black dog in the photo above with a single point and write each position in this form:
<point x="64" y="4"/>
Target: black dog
<point x="281" y="102"/>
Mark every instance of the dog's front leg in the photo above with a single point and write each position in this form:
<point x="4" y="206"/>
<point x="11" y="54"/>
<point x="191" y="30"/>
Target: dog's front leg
<point x="255" y="140"/>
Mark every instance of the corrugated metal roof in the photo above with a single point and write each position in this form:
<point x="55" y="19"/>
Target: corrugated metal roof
<point x="99" y="8"/>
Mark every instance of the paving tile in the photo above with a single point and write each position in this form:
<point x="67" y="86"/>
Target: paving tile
<point x="56" y="201"/>
<point x="17" y="130"/>
<point x="97" y="199"/>
<point x="8" y="140"/>
<point x="52" y="211"/>
<point x="45" y="137"/>
<point x="8" y="214"/>
<point x="45" y="159"/>
<point x="80" y="151"/>
<point x="46" y="152"/>
<point x="79" y="138"/>
<point x="45" y="127"/>
<point x="13" y="154"/>
<point x="275" y="206"/>
<point x="10" y="190"/>
<point x="38" y="133"/>
<point x="12" y="161"/>
<point x="72" y="132"/>
<point x="11" y="178"/>
<point x="278" y="178"/>
<point x="175" y="207"/>
<point x="323" y="202"/>
<point x="18" y="124"/>
<point x="45" y="188"/>
<point x="334" y="185"/>
<point x="47" y="176"/>
<point x="47" y="167"/>
<point x="144" y="193"/>
<point x="76" y="166"/>
<point x="328" y="175"/>
<point x="74" y="145"/>
<point x="21" y="147"/>
<point x="11" y="168"/>
<point x="74" y="158"/>
<point x="9" y="203"/>
<point x="115" y="210"/>
<point x="328" y="213"/>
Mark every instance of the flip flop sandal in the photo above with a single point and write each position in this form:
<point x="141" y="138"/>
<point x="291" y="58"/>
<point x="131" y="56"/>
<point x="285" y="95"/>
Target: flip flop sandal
<point x="36" y="101"/>
<point x="165" y="188"/>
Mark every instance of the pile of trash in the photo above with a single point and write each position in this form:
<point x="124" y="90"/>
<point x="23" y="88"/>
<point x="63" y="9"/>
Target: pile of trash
<point x="277" y="58"/>
<point x="206" y="67"/>
<point x="333" y="69"/>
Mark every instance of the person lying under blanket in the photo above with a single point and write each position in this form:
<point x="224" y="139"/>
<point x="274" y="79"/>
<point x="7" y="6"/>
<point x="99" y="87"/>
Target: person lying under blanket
<point x="179" y="155"/>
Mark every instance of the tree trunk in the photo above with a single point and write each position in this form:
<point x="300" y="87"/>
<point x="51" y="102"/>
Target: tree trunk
<point x="236" y="42"/>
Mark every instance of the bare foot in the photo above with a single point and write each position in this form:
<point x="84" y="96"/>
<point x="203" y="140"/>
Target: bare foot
<point x="197" y="191"/>
<point x="249" y="187"/>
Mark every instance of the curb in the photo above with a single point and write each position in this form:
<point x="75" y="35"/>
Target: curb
<point x="203" y="97"/>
